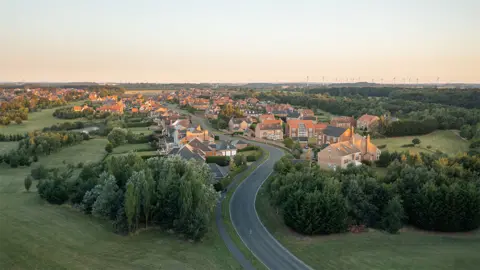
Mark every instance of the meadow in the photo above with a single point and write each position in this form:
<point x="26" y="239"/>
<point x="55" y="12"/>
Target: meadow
<point x="446" y="141"/>
<point x="38" y="235"/>
<point x="410" y="249"/>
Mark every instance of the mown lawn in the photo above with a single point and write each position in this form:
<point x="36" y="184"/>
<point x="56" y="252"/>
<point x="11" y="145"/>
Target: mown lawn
<point x="138" y="130"/>
<point x="5" y="147"/>
<point x="131" y="147"/>
<point x="37" y="235"/>
<point x="444" y="140"/>
<point x="36" y="121"/>
<point x="374" y="250"/>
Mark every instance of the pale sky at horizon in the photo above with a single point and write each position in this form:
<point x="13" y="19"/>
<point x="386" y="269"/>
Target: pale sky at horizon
<point x="246" y="41"/>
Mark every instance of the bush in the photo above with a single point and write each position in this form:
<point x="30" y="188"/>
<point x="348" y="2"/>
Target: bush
<point x="252" y="158"/>
<point x="367" y="163"/>
<point x="220" y="160"/>
<point x="217" y="138"/>
<point x="382" y="146"/>
<point x="109" y="148"/>
<point x="248" y="148"/>
<point x="218" y="186"/>
<point x="429" y="146"/>
<point x="28" y="182"/>
<point x="408" y="145"/>
<point x="39" y="172"/>
<point x="53" y="191"/>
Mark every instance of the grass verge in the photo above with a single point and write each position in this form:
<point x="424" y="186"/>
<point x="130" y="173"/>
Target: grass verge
<point x="226" y="215"/>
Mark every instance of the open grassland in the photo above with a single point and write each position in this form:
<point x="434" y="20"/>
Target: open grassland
<point x="138" y="130"/>
<point x="409" y="249"/>
<point x="446" y="141"/>
<point x="140" y="147"/>
<point x="36" y="121"/>
<point x="37" y="235"/>
<point x="5" y="147"/>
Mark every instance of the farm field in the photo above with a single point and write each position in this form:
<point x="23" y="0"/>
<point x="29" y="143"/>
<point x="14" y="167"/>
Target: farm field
<point x="410" y="249"/>
<point x="38" y="235"/>
<point x="446" y="141"/>
<point x="147" y="91"/>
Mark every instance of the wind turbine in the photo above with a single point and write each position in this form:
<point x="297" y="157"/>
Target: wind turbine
<point x="394" y="80"/>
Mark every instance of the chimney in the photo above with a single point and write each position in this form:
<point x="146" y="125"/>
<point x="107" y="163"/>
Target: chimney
<point x="364" y="145"/>
<point x="368" y="140"/>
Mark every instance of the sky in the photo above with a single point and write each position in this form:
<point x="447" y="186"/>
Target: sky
<point x="240" y="41"/>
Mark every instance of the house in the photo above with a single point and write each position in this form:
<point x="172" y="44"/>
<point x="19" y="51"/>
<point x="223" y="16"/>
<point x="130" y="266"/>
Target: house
<point x="201" y="147"/>
<point x="313" y="118"/>
<point x="352" y="151"/>
<point x="343" y="121"/>
<point x="80" y="108"/>
<point x="331" y="134"/>
<point x="239" y="144"/>
<point x="252" y="101"/>
<point x="306" y="112"/>
<point x="186" y="152"/>
<point x="366" y="121"/>
<point x="115" y="108"/>
<point x="238" y="124"/>
<point x="269" y="129"/>
<point x="293" y="115"/>
<point x="134" y="110"/>
<point x="264" y="117"/>
<point x="224" y="148"/>
<point x="199" y="133"/>
<point x="299" y="128"/>
<point x="218" y="171"/>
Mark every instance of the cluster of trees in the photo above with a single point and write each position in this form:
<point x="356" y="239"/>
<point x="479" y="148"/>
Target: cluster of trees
<point x="106" y="90"/>
<point x="438" y="194"/>
<point x="431" y="192"/>
<point x="320" y="202"/>
<point x="228" y="111"/>
<point x="36" y="144"/>
<point x="119" y="136"/>
<point x="132" y="193"/>
<point x="11" y="137"/>
<point x="69" y="113"/>
<point x="17" y="109"/>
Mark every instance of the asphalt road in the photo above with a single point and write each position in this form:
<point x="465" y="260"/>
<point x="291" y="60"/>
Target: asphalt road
<point x="246" y="221"/>
<point x="248" y="225"/>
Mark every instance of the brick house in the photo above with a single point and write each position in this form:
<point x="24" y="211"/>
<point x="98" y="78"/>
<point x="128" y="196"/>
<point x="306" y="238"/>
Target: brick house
<point x="351" y="151"/>
<point x="269" y="129"/>
<point x="264" y="117"/>
<point x="238" y="124"/>
<point x="366" y="121"/>
<point x="343" y="121"/>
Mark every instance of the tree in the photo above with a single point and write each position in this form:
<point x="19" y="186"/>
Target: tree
<point x="110" y="198"/>
<point x="28" y="182"/>
<point x="416" y="141"/>
<point x="288" y="142"/>
<point x="109" y="148"/>
<point x="18" y="120"/>
<point x="239" y="160"/>
<point x="393" y="215"/>
<point x="117" y="136"/>
<point x="384" y="159"/>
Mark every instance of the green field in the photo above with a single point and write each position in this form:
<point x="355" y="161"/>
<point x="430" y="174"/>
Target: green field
<point x="7" y="146"/>
<point x="37" y="235"/>
<point x="409" y="249"/>
<point x="138" y="130"/>
<point x="36" y="121"/>
<point x="131" y="147"/>
<point x="446" y="141"/>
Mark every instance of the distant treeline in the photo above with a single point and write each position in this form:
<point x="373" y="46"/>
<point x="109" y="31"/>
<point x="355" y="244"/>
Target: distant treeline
<point x="467" y="98"/>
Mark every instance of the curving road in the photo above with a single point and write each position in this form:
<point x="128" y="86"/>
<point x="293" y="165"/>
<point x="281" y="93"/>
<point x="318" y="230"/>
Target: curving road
<point x="248" y="225"/>
<point x="246" y="221"/>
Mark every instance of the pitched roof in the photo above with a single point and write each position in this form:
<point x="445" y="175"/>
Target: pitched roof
<point x="368" y="118"/>
<point x="341" y="149"/>
<point x="197" y="144"/>
<point x="235" y="142"/>
<point x="263" y="126"/>
<point x="187" y="152"/>
<point x="334" y="131"/>
<point x="293" y="123"/>
<point x="224" y="145"/>
<point x="293" y="114"/>
<point x="218" y="172"/>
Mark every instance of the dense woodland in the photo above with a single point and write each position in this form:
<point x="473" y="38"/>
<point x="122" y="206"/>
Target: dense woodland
<point x="431" y="192"/>
<point x="134" y="193"/>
